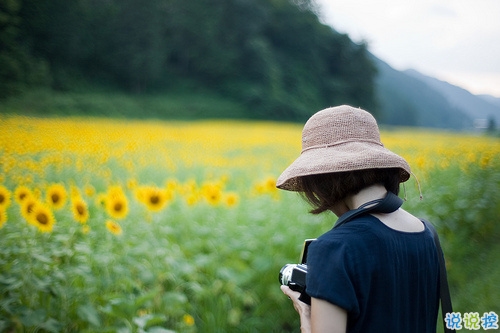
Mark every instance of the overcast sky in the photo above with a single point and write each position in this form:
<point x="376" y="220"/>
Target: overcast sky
<point x="453" y="40"/>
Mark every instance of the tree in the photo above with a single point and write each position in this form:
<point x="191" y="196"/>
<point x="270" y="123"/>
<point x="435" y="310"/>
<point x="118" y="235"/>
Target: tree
<point x="133" y="47"/>
<point x="492" y="127"/>
<point x="272" y="55"/>
<point x="10" y="67"/>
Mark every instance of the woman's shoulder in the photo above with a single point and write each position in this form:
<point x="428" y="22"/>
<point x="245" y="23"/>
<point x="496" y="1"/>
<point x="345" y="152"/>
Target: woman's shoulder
<point x="367" y="231"/>
<point x="402" y="221"/>
<point x="356" y="232"/>
<point x="352" y="244"/>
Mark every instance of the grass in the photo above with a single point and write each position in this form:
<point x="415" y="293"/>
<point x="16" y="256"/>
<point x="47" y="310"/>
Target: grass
<point x="116" y="104"/>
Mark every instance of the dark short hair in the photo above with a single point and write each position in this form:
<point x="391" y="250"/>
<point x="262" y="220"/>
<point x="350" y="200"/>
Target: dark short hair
<point x="323" y="191"/>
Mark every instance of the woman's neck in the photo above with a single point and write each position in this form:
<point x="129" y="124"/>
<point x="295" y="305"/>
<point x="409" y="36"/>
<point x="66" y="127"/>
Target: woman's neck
<point x="366" y="195"/>
<point x="354" y="201"/>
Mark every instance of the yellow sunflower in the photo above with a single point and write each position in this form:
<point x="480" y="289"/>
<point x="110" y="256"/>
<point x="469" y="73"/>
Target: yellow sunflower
<point x="270" y="184"/>
<point x="190" y="192"/>
<point x="116" y="203"/>
<point x="212" y="193"/>
<point x="89" y="190"/>
<point x="3" y="217"/>
<point x="22" y="193"/>
<point x="42" y="218"/>
<point x="56" y="196"/>
<point x="192" y="199"/>
<point x="154" y="198"/>
<point x="85" y="229"/>
<point x="231" y="199"/>
<point x="188" y="320"/>
<point x="115" y="191"/>
<point x="74" y="191"/>
<point x="27" y="208"/>
<point x="267" y="186"/>
<point x="79" y="209"/>
<point x="140" y="194"/>
<point x="114" y="227"/>
<point x="171" y="185"/>
<point x="4" y="197"/>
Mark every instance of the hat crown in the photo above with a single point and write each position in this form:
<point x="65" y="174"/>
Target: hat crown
<point x="337" y="125"/>
<point x="340" y="139"/>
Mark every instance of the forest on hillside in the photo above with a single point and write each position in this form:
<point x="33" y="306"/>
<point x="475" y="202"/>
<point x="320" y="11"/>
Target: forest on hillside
<point x="274" y="56"/>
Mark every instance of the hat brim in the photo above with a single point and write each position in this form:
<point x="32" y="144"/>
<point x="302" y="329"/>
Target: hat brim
<point x="349" y="156"/>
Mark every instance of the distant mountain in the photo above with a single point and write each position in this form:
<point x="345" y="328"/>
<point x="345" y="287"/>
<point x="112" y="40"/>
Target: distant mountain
<point x="476" y="107"/>
<point x="490" y="99"/>
<point x="407" y="101"/>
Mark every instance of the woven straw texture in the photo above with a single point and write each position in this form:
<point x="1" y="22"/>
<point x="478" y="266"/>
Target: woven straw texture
<point x="340" y="139"/>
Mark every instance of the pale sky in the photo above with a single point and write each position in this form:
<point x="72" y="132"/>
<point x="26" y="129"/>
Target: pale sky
<point x="457" y="41"/>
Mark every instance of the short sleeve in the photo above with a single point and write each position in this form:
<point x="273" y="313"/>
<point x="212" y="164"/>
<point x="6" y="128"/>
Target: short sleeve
<point x="330" y="276"/>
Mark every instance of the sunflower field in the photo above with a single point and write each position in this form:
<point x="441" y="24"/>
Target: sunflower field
<point x="114" y="225"/>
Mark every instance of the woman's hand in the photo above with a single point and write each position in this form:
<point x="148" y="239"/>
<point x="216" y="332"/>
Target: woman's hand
<point x="302" y="308"/>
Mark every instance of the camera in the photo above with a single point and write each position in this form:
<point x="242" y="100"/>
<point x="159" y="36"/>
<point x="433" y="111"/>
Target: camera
<point x="294" y="275"/>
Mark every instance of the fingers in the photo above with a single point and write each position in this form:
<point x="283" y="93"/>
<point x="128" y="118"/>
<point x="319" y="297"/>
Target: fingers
<point x="302" y="308"/>
<point x="293" y="295"/>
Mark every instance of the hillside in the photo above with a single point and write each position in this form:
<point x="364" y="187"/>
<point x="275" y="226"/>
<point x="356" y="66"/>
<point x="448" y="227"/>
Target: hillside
<point x="476" y="107"/>
<point x="407" y="101"/>
<point x="273" y="57"/>
<point x="491" y="99"/>
<point x="176" y="59"/>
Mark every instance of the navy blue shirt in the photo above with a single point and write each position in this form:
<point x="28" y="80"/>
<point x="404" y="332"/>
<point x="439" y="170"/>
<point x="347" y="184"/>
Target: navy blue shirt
<point x="386" y="280"/>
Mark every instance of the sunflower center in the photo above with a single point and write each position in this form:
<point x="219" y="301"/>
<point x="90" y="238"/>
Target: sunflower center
<point x="154" y="199"/>
<point x="55" y="198"/>
<point x="42" y="218"/>
<point x="2" y="198"/>
<point x="80" y="209"/>
<point x="118" y="207"/>
<point x="29" y="207"/>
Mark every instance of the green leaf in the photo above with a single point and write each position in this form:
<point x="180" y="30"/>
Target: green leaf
<point x="157" y="329"/>
<point x="52" y="325"/>
<point x="42" y="258"/>
<point x="32" y="317"/>
<point x="139" y="301"/>
<point x="89" y="314"/>
<point x="3" y="325"/>
<point x="149" y="320"/>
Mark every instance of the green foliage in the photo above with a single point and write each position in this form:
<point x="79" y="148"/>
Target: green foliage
<point x="273" y="56"/>
<point x="211" y="263"/>
<point x="18" y="68"/>
<point x="216" y="264"/>
<point x="463" y="205"/>
<point x="195" y="105"/>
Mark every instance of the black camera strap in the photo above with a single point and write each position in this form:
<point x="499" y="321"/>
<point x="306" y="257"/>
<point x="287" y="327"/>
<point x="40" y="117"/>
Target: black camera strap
<point x="444" y="290"/>
<point x="390" y="204"/>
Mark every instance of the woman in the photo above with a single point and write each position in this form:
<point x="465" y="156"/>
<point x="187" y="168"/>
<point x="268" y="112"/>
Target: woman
<point x="376" y="270"/>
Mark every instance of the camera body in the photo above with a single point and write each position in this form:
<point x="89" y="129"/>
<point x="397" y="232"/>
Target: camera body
<point x="294" y="275"/>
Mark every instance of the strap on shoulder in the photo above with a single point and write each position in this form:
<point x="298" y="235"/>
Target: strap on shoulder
<point x="389" y="204"/>
<point x="444" y="291"/>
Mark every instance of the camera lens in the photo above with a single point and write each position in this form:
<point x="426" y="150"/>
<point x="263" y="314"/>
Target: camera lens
<point x="285" y="275"/>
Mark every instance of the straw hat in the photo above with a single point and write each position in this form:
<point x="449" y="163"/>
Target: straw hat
<point x="340" y="139"/>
